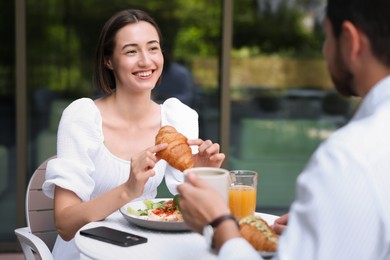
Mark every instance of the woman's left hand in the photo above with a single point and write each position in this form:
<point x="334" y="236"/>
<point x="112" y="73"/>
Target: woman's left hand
<point x="208" y="155"/>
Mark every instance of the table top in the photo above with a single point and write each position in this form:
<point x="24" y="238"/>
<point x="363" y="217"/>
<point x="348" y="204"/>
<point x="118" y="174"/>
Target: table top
<point x="161" y="244"/>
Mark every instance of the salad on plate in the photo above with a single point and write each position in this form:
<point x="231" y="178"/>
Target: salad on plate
<point x="165" y="210"/>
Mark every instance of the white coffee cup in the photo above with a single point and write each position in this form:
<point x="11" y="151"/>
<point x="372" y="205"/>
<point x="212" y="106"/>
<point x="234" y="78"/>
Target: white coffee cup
<point x="217" y="178"/>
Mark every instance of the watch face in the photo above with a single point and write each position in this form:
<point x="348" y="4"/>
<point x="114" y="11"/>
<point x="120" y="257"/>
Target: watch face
<point x="208" y="233"/>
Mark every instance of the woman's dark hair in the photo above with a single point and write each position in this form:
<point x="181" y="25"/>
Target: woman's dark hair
<point x="103" y="77"/>
<point x="370" y="16"/>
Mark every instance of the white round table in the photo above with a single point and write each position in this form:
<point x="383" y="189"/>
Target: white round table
<point x="161" y="244"/>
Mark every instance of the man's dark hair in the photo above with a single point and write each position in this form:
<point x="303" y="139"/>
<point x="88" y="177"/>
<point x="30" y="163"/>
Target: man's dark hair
<point x="370" y="16"/>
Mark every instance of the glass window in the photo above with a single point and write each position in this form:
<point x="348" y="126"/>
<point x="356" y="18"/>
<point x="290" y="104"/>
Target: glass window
<point x="7" y="122"/>
<point x="282" y="99"/>
<point x="62" y="42"/>
<point x="61" y="37"/>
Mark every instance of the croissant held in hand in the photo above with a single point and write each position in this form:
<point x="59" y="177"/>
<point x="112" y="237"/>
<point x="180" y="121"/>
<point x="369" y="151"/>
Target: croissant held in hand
<point x="178" y="153"/>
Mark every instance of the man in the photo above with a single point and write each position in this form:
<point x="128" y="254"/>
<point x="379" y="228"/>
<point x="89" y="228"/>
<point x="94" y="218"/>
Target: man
<point x="176" y="81"/>
<point x="342" y="208"/>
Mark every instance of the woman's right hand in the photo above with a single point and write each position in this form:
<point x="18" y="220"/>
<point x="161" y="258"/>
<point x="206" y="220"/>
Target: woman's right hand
<point x="142" y="165"/>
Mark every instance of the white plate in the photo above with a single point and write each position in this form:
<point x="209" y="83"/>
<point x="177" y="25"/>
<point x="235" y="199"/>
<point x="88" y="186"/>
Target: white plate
<point x="270" y="219"/>
<point x="150" y="224"/>
<point x="266" y="255"/>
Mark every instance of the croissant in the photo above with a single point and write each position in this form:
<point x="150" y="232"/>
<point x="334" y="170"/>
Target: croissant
<point x="258" y="233"/>
<point x="178" y="153"/>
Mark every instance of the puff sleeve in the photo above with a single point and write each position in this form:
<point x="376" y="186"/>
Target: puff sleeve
<point x="78" y="138"/>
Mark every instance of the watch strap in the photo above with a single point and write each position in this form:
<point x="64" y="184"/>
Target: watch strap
<point x="216" y="222"/>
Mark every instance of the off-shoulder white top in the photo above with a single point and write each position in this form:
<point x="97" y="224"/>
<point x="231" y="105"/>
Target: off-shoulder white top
<point x="85" y="166"/>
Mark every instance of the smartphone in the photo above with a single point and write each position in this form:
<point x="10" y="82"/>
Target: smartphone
<point x="113" y="236"/>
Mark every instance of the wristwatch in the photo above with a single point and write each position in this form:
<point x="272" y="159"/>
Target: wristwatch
<point x="208" y="230"/>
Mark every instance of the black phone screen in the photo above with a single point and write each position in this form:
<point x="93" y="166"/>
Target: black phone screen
<point x="113" y="236"/>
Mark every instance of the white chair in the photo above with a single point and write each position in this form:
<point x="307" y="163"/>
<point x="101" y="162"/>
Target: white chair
<point x="39" y="236"/>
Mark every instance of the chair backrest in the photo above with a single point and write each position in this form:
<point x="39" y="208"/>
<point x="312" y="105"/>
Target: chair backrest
<point x="40" y="208"/>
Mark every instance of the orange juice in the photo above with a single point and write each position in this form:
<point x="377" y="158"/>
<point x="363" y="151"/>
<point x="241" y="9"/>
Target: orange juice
<point x="242" y="200"/>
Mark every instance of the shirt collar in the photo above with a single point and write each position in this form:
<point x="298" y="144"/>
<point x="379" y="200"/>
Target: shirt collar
<point x="378" y="94"/>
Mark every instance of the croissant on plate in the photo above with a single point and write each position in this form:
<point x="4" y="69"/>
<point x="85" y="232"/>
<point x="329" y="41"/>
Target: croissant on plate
<point x="178" y="153"/>
<point x="258" y="233"/>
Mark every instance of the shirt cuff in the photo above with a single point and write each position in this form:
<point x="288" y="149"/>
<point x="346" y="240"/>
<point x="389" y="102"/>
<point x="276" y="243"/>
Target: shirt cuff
<point x="238" y="248"/>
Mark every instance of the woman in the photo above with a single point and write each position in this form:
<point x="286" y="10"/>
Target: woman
<point x="106" y="147"/>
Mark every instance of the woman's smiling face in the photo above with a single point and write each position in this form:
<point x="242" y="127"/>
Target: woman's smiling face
<point x="137" y="60"/>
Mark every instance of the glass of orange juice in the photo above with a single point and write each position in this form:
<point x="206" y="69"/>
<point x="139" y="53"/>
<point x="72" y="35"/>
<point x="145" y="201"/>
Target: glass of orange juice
<point x="242" y="193"/>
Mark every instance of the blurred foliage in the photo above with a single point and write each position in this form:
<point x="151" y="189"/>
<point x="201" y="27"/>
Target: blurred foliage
<point x="279" y="31"/>
<point x="62" y="36"/>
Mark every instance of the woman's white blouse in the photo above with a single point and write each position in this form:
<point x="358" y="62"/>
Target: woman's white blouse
<point x="85" y="166"/>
